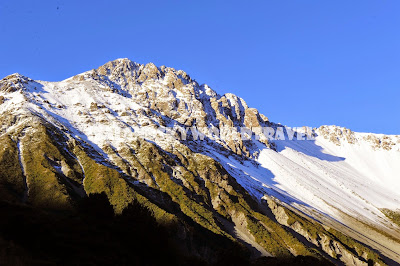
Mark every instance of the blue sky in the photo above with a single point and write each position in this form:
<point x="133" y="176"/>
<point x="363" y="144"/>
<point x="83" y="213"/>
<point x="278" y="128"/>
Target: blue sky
<point x="300" y="62"/>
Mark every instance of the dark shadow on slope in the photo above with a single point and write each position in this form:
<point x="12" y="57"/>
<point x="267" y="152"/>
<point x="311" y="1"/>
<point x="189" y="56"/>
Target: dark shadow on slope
<point x="93" y="235"/>
<point x="37" y="88"/>
<point x="307" y="147"/>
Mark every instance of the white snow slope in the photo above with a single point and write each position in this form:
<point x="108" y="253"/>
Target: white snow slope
<point x="352" y="178"/>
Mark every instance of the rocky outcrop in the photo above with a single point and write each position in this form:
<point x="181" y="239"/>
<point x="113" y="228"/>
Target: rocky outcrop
<point x="341" y="135"/>
<point x="333" y="243"/>
<point x="13" y="83"/>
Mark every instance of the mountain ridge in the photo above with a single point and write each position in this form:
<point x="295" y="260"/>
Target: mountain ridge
<point x="102" y="129"/>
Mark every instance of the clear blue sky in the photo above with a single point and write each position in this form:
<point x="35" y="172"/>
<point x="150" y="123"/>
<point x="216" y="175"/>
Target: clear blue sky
<point x="300" y="62"/>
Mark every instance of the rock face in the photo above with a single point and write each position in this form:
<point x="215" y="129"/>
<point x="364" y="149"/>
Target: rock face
<point x="340" y="135"/>
<point x="119" y="129"/>
<point x="173" y="96"/>
<point x="325" y="239"/>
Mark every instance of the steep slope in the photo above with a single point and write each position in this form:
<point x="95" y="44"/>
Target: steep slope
<point x="153" y="135"/>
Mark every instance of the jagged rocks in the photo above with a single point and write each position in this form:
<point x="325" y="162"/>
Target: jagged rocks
<point x="93" y="107"/>
<point x="337" y="135"/>
<point x="13" y="83"/>
<point x="329" y="240"/>
<point x="252" y="118"/>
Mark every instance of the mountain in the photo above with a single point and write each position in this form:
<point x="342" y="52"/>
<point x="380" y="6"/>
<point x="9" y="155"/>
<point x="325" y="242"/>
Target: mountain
<point x="216" y="176"/>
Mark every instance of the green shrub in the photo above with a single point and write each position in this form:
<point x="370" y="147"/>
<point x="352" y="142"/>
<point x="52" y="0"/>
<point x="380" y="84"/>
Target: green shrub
<point x="394" y="216"/>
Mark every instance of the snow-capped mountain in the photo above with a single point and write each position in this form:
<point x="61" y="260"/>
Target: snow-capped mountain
<point x="127" y="127"/>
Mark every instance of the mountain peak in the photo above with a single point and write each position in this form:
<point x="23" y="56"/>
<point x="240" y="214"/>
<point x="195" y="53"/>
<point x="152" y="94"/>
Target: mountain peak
<point x="13" y="82"/>
<point x="126" y="125"/>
